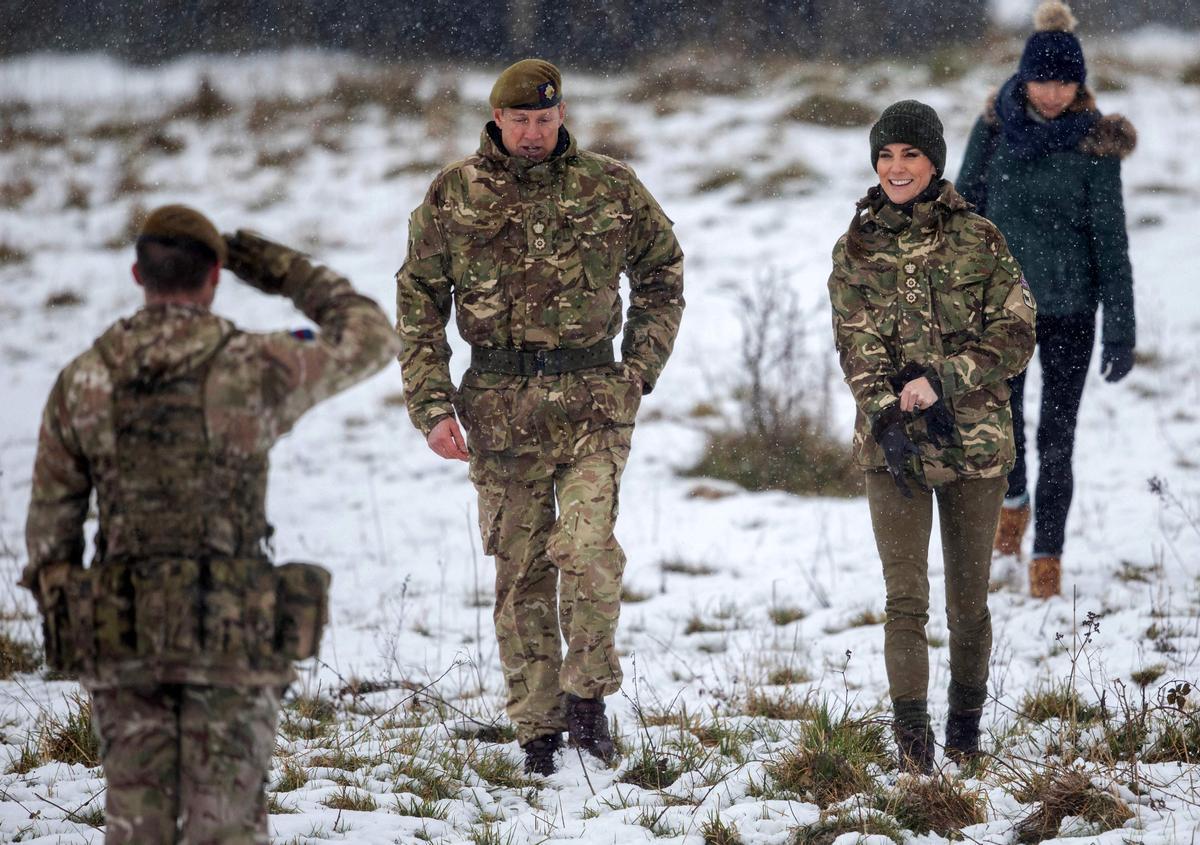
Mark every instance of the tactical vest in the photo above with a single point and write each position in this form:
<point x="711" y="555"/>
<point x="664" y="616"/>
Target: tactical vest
<point x="182" y="590"/>
<point x="169" y="493"/>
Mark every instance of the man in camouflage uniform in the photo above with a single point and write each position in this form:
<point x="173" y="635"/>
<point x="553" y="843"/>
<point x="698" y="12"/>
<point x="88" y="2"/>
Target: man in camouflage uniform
<point x="181" y="629"/>
<point x="528" y="239"/>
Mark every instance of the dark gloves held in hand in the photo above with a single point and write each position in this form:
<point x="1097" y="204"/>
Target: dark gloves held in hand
<point x="258" y="261"/>
<point x="939" y="422"/>
<point x="1116" y="360"/>
<point x="898" y="449"/>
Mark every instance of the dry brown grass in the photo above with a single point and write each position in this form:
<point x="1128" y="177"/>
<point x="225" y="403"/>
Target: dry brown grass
<point x="937" y="805"/>
<point x="1068" y="792"/>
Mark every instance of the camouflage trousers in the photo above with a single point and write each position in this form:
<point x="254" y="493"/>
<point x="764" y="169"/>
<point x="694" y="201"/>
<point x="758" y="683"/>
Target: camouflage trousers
<point x="548" y="520"/>
<point x="186" y="764"/>
<point x="968" y="510"/>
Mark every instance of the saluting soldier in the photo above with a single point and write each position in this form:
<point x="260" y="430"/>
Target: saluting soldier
<point x="528" y="239"/>
<point x="181" y="628"/>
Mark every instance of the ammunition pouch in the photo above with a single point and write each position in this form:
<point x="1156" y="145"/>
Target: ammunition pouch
<point x="200" y="618"/>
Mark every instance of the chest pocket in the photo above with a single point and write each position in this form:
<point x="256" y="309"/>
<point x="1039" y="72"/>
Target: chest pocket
<point x="959" y="295"/>
<point x="475" y="246"/>
<point x="601" y="233"/>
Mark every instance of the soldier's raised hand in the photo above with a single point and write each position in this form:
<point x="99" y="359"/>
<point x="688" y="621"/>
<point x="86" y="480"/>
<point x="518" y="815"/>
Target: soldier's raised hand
<point x="259" y="262"/>
<point x="446" y="439"/>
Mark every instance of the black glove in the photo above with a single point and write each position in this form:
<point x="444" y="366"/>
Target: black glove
<point x="939" y="422"/>
<point x="258" y="261"/>
<point x="897" y="447"/>
<point x="1116" y="360"/>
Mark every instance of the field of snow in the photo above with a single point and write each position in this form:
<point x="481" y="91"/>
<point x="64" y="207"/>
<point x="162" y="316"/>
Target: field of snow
<point x="742" y="606"/>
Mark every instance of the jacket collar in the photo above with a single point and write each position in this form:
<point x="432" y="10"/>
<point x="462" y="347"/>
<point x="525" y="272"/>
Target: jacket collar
<point x="931" y="213"/>
<point x="526" y="170"/>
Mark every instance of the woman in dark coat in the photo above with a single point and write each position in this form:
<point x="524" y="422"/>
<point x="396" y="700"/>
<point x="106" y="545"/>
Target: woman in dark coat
<point x="930" y="317"/>
<point x="1045" y="167"/>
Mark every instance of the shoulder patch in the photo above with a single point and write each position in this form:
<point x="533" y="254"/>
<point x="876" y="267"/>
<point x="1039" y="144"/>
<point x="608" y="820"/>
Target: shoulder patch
<point x="303" y="334"/>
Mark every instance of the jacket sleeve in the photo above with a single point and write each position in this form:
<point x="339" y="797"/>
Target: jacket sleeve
<point x="972" y="176"/>
<point x="654" y="265"/>
<point x="424" y="293"/>
<point x="1009" y="314"/>
<point x="1110" y="252"/>
<point x="62" y="486"/>
<point x="862" y="350"/>
<point x="355" y="340"/>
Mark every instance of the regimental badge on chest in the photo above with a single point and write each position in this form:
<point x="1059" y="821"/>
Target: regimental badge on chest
<point x="540" y="223"/>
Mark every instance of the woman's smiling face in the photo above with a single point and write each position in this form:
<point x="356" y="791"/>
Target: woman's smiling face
<point x="904" y="172"/>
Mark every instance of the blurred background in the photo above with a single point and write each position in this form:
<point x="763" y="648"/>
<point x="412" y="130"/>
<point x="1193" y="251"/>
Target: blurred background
<point x="587" y="33"/>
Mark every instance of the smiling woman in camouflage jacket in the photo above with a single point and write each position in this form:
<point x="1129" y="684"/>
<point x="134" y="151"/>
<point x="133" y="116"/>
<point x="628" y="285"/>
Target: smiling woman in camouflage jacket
<point x="931" y="315"/>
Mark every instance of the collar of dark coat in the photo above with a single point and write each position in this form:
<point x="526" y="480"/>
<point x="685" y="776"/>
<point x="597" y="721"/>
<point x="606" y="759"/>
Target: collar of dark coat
<point x="492" y="149"/>
<point x="1113" y="136"/>
<point x="925" y="214"/>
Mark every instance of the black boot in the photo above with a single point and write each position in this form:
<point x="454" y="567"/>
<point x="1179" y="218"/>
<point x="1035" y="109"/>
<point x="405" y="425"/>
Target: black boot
<point x="539" y="754"/>
<point x="914" y="737"/>
<point x="587" y="727"/>
<point x="962" y="736"/>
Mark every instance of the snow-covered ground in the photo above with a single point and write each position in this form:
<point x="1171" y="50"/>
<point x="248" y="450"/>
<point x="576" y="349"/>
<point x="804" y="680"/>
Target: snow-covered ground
<point x="356" y="488"/>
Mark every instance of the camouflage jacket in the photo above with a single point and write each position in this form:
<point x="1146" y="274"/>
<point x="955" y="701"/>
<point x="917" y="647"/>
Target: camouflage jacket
<point x="257" y="386"/>
<point x="531" y="254"/>
<point x="940" y="291"/>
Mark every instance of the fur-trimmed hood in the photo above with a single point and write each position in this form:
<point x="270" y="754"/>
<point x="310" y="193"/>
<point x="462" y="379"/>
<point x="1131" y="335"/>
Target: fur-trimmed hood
<point x="1113" y="136"/>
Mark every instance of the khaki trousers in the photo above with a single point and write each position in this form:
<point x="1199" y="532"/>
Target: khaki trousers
<point x="968" y="511"/>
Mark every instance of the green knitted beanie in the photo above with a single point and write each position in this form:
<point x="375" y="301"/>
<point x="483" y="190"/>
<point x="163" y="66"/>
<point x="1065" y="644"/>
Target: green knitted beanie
<point x="910" y="122"/>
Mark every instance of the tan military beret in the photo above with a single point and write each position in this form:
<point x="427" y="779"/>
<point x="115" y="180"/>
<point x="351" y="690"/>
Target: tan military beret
<point x="179" y="221"/>
<point x="529" y="84"/>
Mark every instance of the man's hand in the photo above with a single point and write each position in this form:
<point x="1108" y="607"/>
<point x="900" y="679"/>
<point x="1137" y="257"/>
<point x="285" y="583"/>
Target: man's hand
<point x="47" y="583"/>
<point x="917" y="394"/>
<point x="446" y="439"/>
<point x="258" y="261"/>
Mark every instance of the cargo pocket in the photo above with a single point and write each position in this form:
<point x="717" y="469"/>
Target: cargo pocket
<point x="113" y="605"/>
<point x="960" y="302"/>
<point x="984" y="421"/>
<point x="167" y="597"/>
<point x="476" y="255"/>
<point x="601" y="234"/>
<point x="301" y="609"/>
<point x="615" y="394"/>
<point x="487" y="414"/>
<point x="79" y="654"/>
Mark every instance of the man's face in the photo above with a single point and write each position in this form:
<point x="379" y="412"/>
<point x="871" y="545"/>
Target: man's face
<point x="531" y="134"/>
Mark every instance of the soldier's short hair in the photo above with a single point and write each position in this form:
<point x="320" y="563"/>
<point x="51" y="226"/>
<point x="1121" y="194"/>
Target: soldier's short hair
<point x="173" y="265"/>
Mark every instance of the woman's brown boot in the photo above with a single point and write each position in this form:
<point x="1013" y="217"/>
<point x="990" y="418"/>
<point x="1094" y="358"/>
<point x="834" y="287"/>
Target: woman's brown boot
<point x="1045" y="577"/>
<point x="1011" y="530"/>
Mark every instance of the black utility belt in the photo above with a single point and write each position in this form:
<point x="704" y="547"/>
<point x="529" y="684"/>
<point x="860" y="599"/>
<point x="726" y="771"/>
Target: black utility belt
<point x="542" y="362"/>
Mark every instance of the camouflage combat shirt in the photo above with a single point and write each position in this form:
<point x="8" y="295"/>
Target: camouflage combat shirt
<point x="939" y="290"/>
<point x="531" y="254"/>
<point x="257" y="387"/>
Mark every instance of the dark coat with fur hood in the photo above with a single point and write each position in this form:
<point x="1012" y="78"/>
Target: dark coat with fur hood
<point x="1062" y="215"/>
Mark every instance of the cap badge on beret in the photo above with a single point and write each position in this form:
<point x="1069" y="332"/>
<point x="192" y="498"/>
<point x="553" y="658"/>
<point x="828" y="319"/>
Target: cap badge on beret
<point x="547" y="91"/>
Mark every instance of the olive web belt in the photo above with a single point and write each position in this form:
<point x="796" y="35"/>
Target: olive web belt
<point x="541" y="362"/>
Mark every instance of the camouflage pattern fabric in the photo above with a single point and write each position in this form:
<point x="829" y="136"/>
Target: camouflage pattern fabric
<point x="939" y="290"/>
<point x="531" y="254"/>
<point x="549" y="520"/>
<point x="186" y="764"/>
<point x="255" y="388"/>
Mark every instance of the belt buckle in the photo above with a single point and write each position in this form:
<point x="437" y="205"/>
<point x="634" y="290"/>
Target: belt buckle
<point x="539" y="362"/>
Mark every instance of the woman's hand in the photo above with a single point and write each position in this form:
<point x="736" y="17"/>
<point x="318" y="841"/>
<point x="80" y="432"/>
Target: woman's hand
<point x="917" y="394"/>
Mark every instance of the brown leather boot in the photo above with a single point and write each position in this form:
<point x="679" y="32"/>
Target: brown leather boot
<point x="1011" y="529"/>
<point x="1045" y="577"/>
